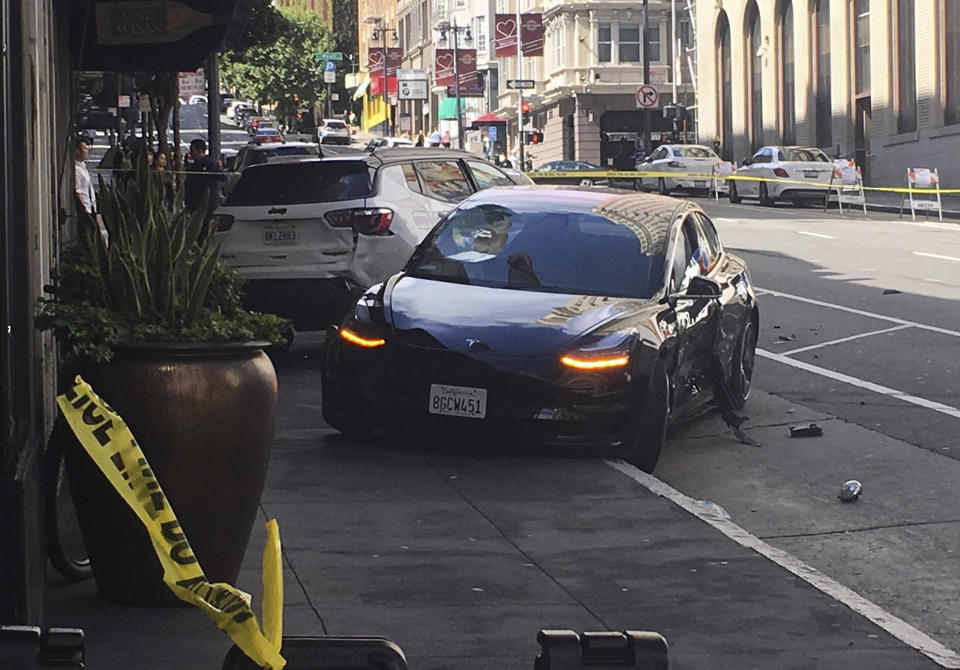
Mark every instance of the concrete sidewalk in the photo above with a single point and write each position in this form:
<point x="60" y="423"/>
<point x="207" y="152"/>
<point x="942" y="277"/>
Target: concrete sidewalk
<point x="461" y="558"/>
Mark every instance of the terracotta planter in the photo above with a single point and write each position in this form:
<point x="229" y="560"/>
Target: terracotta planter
<point x="204" y="416"/>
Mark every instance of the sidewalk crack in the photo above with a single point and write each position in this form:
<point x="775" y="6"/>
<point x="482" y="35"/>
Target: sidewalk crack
<point x="904" y="524"/>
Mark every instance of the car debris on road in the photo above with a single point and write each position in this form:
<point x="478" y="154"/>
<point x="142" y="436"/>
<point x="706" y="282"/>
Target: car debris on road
<point x="850" y="491"/>
<point x="809" y="430"/>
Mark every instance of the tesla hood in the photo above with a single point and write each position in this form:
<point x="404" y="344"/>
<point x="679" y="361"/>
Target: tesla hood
<point x="469" y="318"/>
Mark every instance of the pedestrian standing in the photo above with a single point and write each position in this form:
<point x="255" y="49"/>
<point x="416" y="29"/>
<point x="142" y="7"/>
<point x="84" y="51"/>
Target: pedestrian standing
<point x="202" y="184"/>
<point x="166" y="179"/>
<point x="435" y="138"/>
<point x="84" y="185"/>
<point x="419" y="141"/>
<point x="446" y="139"/>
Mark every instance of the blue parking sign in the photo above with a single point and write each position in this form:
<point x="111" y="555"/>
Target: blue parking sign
<point x="492" y="133"/>
<point x="329" y="66"/>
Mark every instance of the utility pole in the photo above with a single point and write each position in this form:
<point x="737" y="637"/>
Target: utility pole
<point x="213" y="106"/>
<point x="519" y="92"/>
<point x="386" y="96"/>
<point x="675" y="50"/>
<point x="646" y="79"/>
<point x="456" y="81"/>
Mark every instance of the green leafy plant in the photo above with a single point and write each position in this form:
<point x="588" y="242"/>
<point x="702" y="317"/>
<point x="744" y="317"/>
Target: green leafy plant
<point x="146" y="275"/>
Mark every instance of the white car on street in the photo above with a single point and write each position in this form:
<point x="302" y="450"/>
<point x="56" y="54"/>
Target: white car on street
<point x="334" y="131"/>
<point x="687" y="159"/>
<point x="797" y="174"/>
<point x="310" y="235"/>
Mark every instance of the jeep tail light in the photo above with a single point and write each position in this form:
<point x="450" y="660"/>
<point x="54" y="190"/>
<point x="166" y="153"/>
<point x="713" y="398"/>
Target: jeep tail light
<point x="223" y="222"/>
<point x="369" y="221"/>
<point x="780" y="172"/>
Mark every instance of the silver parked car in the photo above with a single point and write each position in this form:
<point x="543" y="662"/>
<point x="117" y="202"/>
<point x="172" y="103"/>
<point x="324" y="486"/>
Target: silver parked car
<point x="797" y="174"/>
<point x="688" y="159"/>
<point x="311" y="234"/>
<point x="334" y="131"/>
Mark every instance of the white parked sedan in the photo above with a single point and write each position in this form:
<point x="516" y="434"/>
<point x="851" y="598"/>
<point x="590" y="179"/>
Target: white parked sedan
<point x="797" y="174"/>
<point x="694" y="159"/>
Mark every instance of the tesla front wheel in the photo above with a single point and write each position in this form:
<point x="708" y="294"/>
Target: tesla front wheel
<point x="651" y="433"/>
<point x="732" y="194"/>
<point x="65" y="546"/>
<point x="741" y="367"/>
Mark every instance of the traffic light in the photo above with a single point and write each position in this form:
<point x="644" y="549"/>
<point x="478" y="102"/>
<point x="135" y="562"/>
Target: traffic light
<point x="532" y="136"/>
<point x="525" y="108"/>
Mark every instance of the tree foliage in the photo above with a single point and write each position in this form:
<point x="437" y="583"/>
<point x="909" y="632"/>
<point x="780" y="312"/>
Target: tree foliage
<point x="276" y="71"/>
<point x="254" y="23"/>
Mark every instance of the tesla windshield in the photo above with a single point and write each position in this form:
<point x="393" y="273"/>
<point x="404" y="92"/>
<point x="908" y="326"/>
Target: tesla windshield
<point x="562" y="252"/>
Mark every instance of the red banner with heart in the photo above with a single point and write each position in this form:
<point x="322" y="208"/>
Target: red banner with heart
<point x="531" y="34"/>
<point x="443" y="72"/>
<point x="374" y="59"/>
<point x="505" y="35"/>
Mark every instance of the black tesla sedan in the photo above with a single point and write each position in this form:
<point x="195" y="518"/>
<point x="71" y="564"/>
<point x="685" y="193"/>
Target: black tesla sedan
<point x="553" y="316"/>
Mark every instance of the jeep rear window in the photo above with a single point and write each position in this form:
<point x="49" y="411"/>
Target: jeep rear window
<point x="301" y="183"/>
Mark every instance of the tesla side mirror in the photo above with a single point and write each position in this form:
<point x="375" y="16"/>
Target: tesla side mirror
<point x="699" y="288"/>
<point x="745" y="162"/>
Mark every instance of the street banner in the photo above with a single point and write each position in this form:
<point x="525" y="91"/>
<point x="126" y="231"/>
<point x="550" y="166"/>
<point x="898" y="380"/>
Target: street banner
<point x="505" y="35"/>
<point x="467" y="67"/>
<point x="443" y="67"/>
<point x="531" y="34"/>
<point x="374" y="60"/>
<point x="394" y="59"/>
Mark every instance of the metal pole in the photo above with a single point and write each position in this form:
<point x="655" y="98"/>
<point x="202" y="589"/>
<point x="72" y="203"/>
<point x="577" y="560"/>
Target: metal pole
<point x="456" y="81"/>
<point x="213" y="105"/>
<point x="675" y="49"/>
<point x="646" y="80"/>
<point x="519" y="92"/>
<point x="386" y="97"/>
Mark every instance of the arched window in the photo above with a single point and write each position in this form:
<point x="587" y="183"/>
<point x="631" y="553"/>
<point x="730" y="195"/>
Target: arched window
<point x="821" y="72"/>
<point x="755" y="54"/>
<point x="724" y="87"/>
<point x="788" y="115"/>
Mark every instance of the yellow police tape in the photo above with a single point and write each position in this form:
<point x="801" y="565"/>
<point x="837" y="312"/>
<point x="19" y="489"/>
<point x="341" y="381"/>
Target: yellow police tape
<point x="111" y="445"/>
<point x="634" y="174"/>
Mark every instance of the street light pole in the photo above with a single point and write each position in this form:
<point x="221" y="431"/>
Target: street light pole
<point x="519" y="91"/>
<point x="646" y="79"/>
<point x="386" y="96"/>
<point x="456" y="82"/>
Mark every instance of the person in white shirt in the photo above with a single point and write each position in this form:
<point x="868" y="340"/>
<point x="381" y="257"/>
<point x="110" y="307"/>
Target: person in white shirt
<point x="84" y="185"/>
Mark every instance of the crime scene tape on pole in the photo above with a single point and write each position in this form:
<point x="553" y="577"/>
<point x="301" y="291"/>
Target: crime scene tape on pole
<point x="111" y="445"/>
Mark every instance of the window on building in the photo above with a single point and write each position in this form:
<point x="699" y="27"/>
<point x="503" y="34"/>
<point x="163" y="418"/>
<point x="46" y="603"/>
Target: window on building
<point x="653" y="43"/>
<point x="559" y="46"/>
<point x="725" y="84"/>
<point x="861" y="41"/>
<point x="628" y="49"/>
<point x="951" y="25"/>
<point x="480" y="34"/>
<point x="441" y="7"/>
<point x="824" y="105"/>
<point x="604" y="43"/>
<point x="906" y="70"/>
<point x="755" y="67"/>
<point x="788" y="95"/>
<point x="424" y="23"/>
<point x="461" y="4"/>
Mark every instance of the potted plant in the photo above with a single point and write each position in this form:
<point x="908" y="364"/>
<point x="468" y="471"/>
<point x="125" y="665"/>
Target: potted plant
<point x="149" y="316"/>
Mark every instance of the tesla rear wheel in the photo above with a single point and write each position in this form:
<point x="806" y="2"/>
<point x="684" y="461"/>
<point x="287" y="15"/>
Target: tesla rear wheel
<point x="662" y="186"/>
<point x="652" y="427"/>
<point x="732" y="194"/>
<point x="741" y="367"/>
<point x="765" y="199"/>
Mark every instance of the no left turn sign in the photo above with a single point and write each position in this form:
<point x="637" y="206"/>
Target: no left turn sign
<point x="647" y="96"/>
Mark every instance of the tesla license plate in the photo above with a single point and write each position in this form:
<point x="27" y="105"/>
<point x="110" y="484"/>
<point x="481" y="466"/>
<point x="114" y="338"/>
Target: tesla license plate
<point x="285" y="236"/>
<point x="458" y="401"/>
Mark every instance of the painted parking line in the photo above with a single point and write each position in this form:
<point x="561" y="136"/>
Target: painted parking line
<point x="894" y="625"/>
<point x="862" y="383"/>
<point x="938" y="256"/>
<point x="820" y="235"/>
<point x="841" y="340"/>
<point x="851" y="310"/>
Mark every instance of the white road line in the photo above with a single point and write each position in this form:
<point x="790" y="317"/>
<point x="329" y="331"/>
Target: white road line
<point x="842" y="340"/>
<point x="894" y="625"/>
<point x="820" y="235"/>
<point x="943" y="258"/>
<point x="862" y="383"/>
<point x="873" y="315"/>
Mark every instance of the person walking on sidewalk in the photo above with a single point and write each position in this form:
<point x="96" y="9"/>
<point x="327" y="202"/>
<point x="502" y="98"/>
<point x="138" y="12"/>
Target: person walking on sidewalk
<point x="203" y="182"/>
<point x="84" y="185"/>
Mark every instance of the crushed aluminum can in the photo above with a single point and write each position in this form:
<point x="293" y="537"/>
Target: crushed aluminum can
<point x="809" y="430"/>
<point x="850" y="491"/>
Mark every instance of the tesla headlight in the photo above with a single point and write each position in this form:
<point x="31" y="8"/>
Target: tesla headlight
<point x="361" y="329"/>
<point x="600" y="353"/>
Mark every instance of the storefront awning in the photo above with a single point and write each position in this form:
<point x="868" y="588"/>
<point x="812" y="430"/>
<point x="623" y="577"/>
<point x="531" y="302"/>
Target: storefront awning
<point x="146" y="35"/>
<point x="448" y="109"/>
<point x="361" y="89"/>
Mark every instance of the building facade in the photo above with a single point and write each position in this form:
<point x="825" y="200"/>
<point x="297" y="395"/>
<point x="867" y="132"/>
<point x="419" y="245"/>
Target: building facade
<point x="376" y="27"/>
<point x="876" y="80"/>
<point x="585" y="100"/>
<point x="322" y="8"/>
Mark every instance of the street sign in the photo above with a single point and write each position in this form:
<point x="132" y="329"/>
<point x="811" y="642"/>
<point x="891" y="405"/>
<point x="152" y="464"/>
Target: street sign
<point x="492" y="133"/>
<point x="521" y="83"/>
<point x="466" y="91"/>
<point x="329" y="55"/>
<point x="329" y="66"/>
<point x="403" y="75"/>
<point x="413" y="89"/>
<point x="647" y="96"/>
<point x="329" y="72"/>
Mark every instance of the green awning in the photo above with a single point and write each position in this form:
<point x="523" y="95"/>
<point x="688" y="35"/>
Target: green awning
<point x="362" y="89"/>
<point x="448" y="109"/>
